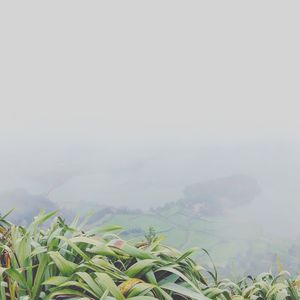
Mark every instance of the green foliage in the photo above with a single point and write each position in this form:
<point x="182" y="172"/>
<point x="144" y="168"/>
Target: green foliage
<point x="150" y="235"/>
<point x="238" y="248"/>
<point x="63" y="261"/>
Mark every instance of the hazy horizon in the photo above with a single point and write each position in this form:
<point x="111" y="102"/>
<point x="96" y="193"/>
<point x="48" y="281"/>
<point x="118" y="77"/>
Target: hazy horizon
<point x="127" y="104"/>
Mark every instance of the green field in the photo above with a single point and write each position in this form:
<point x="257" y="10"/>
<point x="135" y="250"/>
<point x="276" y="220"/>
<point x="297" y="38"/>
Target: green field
<point x="233" y="245"/>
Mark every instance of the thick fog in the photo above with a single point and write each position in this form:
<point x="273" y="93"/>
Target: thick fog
<point x="127" y="104"/>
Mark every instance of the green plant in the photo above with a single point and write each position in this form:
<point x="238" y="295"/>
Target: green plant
<point x="150" y="235"/>
<point x="67" y="261"/>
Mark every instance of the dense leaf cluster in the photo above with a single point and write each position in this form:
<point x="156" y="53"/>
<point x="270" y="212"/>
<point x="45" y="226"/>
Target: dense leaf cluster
<point x="61" y="261"/>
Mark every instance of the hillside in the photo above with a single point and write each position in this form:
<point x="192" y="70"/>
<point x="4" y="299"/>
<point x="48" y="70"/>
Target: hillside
<point x="201" y="218"/>
<point x="234" y="245"/>
<point x="70" y="261"/>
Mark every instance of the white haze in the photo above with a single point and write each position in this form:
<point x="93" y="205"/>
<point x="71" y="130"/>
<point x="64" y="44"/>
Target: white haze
<point x="126" y="103"/>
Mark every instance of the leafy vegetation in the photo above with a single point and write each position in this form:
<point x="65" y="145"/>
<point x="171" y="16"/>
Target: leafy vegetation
<point x="238" y="247"/>
<point x="54" y="260"/>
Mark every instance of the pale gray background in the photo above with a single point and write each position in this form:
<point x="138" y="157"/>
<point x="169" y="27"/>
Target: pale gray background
<point x="127" y="102"/>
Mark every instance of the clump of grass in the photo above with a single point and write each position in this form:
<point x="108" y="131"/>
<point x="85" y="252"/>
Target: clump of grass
<point x="65" y="261"/>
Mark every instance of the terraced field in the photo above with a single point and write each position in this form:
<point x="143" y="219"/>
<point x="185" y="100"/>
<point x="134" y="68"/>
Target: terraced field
<point x="234" y="245"/>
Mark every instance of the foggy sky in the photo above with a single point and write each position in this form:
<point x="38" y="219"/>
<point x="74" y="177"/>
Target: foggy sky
<point x="127" y="103"/>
